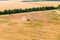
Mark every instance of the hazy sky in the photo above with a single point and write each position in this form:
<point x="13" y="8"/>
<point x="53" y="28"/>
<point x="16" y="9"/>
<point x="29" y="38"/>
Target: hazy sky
<point x="10" y="0"/>
<point x="41" y="0"/>
<point x="15" y="0"/>
<point x="29" y="0"/>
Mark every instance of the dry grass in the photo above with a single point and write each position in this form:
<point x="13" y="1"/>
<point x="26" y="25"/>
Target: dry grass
<point x="42" y="26"/>
<point x="13" y="5"/>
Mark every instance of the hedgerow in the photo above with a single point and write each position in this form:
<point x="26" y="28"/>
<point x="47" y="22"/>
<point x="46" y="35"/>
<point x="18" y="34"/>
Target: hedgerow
<point x="28" y="10"/>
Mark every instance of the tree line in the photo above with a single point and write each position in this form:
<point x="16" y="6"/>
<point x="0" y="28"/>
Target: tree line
<point x="28" y="10"/>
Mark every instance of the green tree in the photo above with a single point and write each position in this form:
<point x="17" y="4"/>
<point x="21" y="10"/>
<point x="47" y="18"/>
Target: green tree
<point x="58" y="7"/>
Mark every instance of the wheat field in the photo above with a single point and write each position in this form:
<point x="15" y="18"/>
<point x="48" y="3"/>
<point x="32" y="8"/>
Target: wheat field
<point x="42" y="25"/>
<point x="16" y="5"/>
